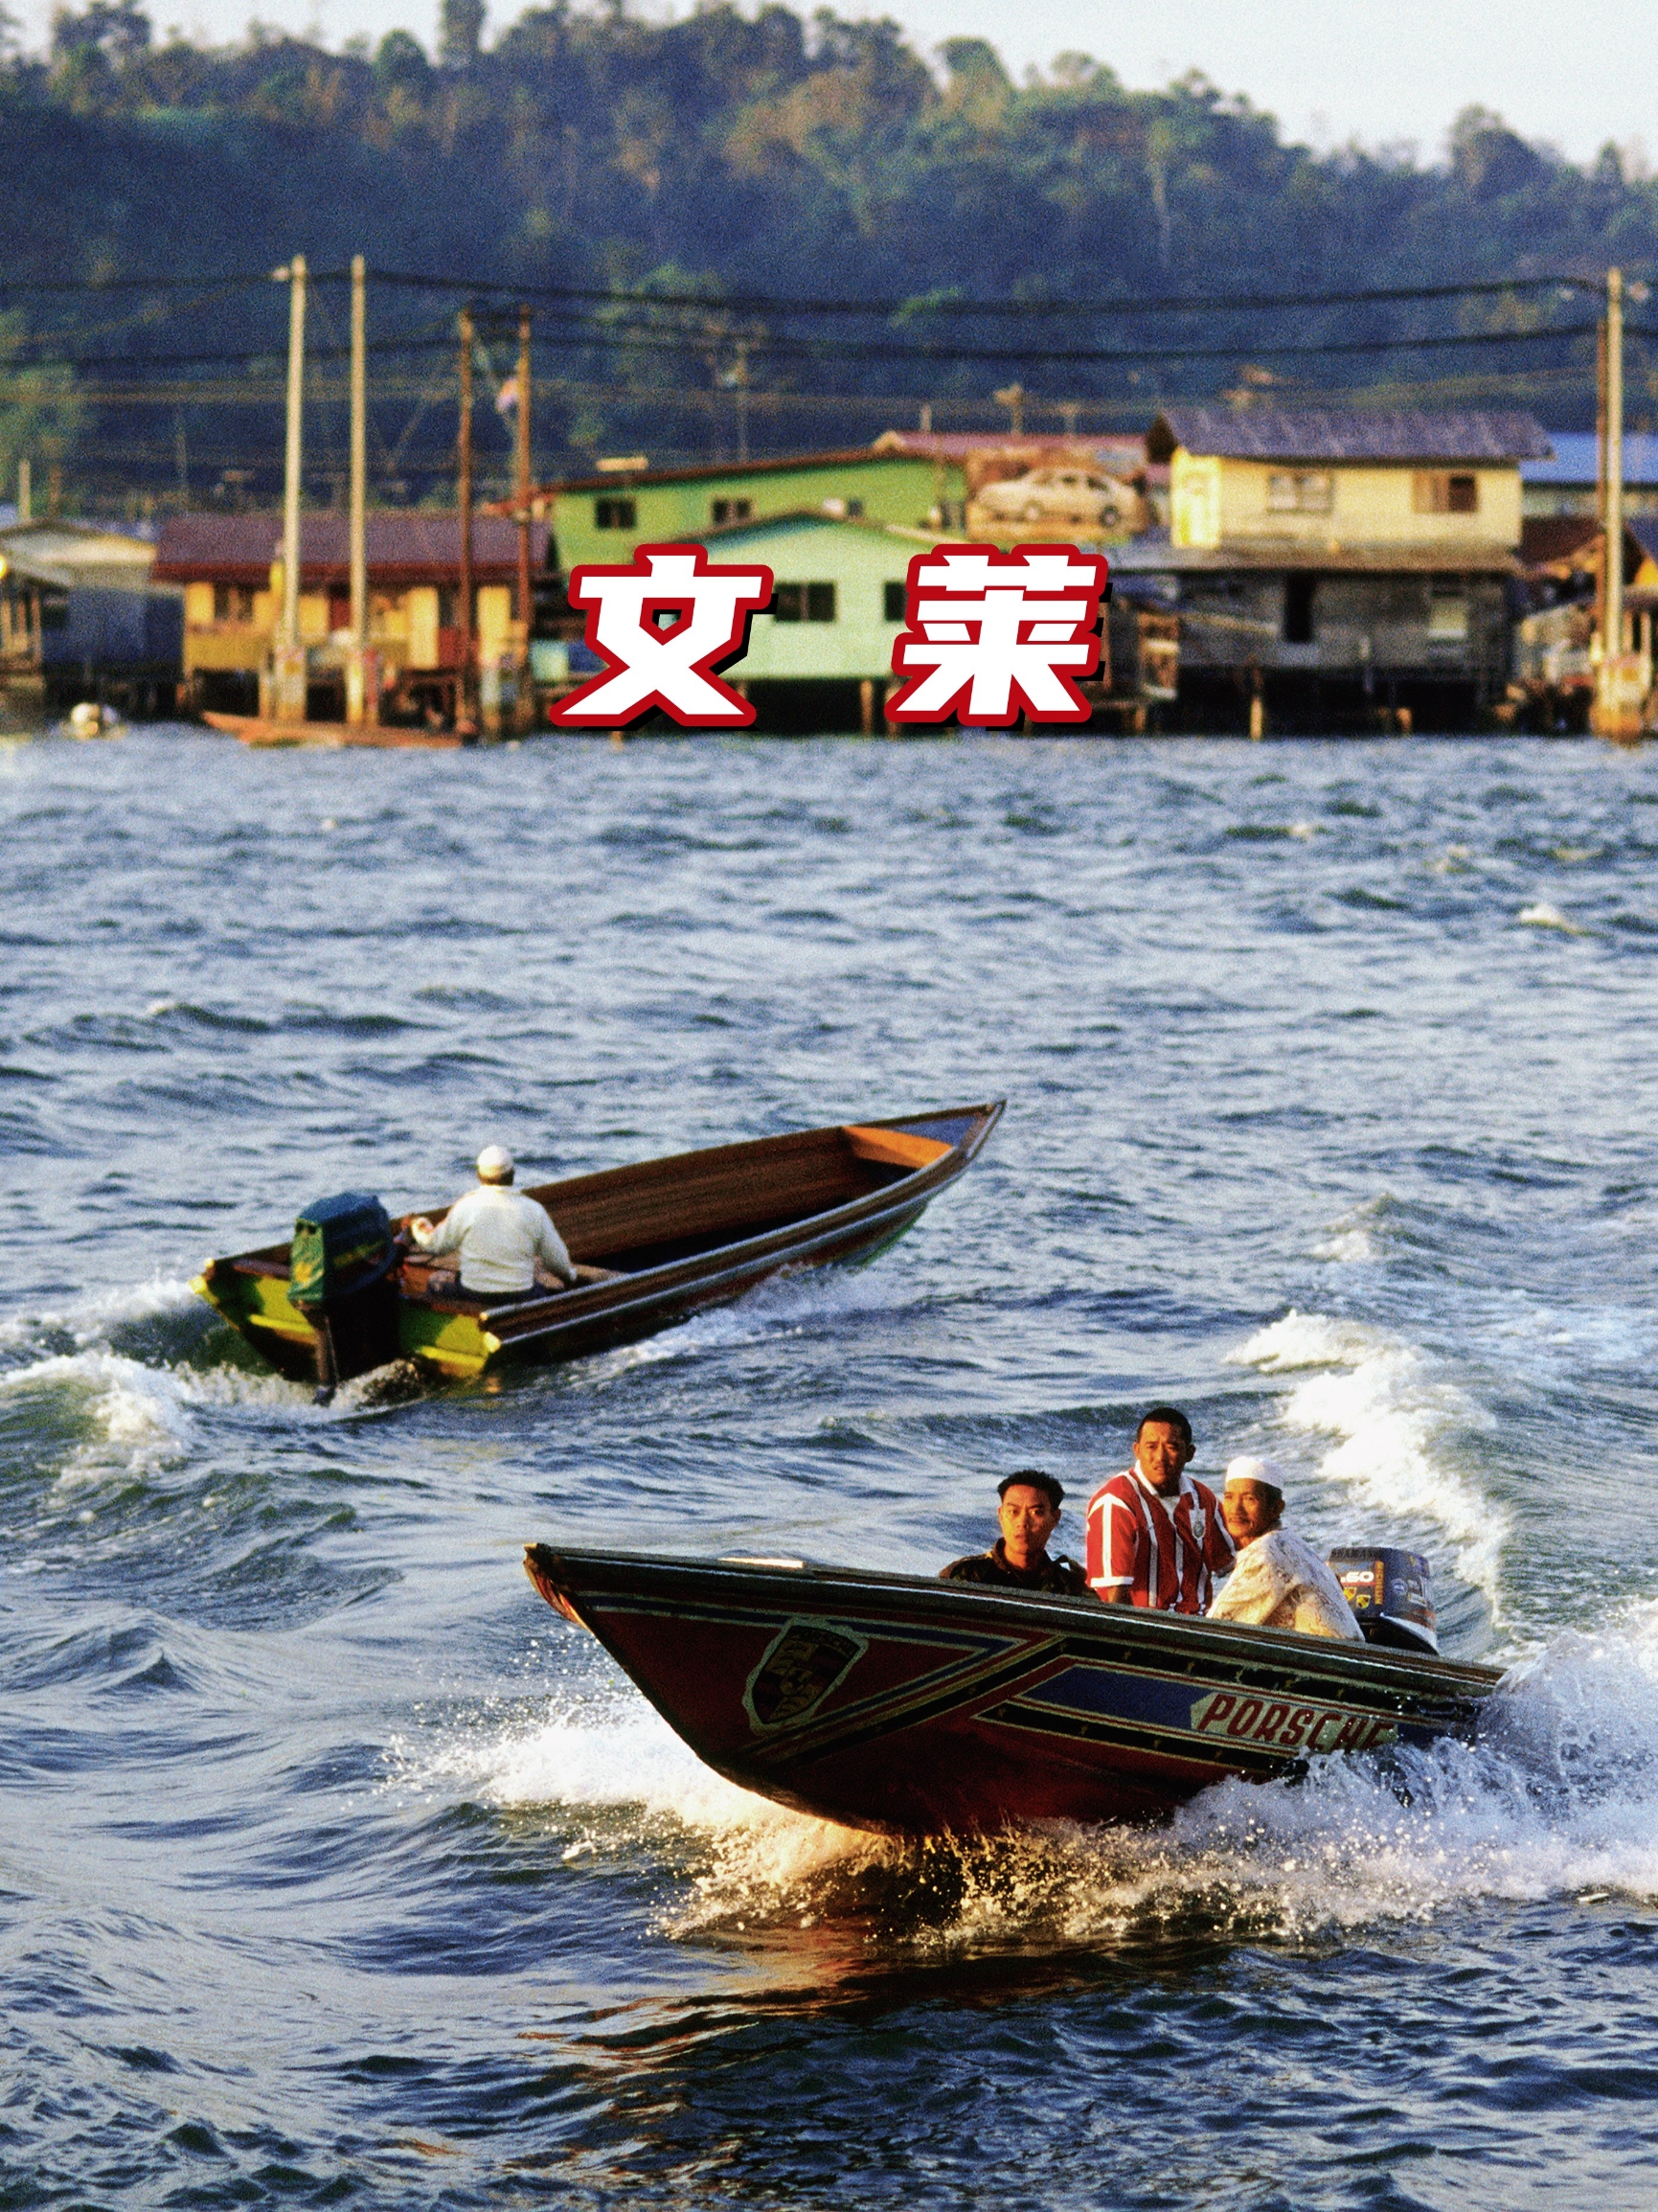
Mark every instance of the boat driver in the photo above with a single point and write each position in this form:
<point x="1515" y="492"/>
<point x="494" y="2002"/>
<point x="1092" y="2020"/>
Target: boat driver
<point x="1155" y="1533"/>
<point x="1279" y="1581"/>
<point x="507" y="1245"/>
<point x="1018" y="1559"/>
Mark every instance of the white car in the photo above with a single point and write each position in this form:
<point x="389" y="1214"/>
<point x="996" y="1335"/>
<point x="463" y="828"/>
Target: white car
<point x="1080" y="497"/>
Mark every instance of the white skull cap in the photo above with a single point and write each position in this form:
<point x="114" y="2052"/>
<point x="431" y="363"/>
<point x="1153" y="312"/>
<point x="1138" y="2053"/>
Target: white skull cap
<point x="1266" y="1471"/>
<point x="494" y="1164"/>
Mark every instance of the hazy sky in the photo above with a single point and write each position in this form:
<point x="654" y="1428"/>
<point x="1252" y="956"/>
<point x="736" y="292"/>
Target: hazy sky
<point x="1377" y="70"/>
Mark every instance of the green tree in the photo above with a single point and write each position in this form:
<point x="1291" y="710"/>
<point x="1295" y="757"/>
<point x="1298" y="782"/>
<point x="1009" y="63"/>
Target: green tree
<point x="461" y="30"/>
<point x="41" y="416"/>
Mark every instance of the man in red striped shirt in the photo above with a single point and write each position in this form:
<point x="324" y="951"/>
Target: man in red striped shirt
<point x="1154" y="1534"/>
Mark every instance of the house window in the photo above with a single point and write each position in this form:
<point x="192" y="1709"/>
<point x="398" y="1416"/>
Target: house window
<point x="804" y="603"/>
<point x="731" y="511"/>
<point x="1299" y="594"/>
<point x="1447" y="614"/>
<point x="1438" y="492"/>
<point x="1300" y="491"/>
<point x="615" y="514"/>
<point x="894" y="602"/>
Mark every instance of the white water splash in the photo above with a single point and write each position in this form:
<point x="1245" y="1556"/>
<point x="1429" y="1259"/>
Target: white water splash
<point x="136" y="1415"/>
<point x="138" y="1419"/>
<point x="1560" y="1797"/>
<point x="1355" y="1237"/>
<point x="89" y="1319"/>
<point x="1541" y="915"/>
<point x="1395" y="1416"/>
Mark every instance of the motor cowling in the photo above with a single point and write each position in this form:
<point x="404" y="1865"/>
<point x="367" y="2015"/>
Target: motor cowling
<point x="1391" y="1592"/>
<point x="343" y="1277"/>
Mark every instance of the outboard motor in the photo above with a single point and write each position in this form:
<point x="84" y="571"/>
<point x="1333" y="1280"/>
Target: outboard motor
<point x="1392" y="1593"/>
<point x="343" y="1277"/>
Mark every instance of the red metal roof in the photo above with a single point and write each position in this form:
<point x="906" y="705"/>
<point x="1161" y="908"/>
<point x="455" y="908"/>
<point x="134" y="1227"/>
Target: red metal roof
<point x="406" y="548"/>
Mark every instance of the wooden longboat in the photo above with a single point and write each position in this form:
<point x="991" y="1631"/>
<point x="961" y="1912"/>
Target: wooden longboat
<point x="656" y="1243"/>
<point x="903" y="1704"/>
<point x="261" y="730"/>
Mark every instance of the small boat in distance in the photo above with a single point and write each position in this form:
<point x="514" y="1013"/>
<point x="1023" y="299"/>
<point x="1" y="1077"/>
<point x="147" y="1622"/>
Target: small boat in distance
<point x="922" y="1707"/>
<point x="654" y="1243"/>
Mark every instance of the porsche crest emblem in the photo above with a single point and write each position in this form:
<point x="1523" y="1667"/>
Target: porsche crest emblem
<point x="798" y="1668"/>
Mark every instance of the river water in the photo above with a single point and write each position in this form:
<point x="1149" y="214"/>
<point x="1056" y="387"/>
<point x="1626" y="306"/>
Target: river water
<point x="335" y="1869"/>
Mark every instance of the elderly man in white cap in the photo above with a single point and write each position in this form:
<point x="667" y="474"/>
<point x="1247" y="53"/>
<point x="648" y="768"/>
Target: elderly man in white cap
<point x="505" y="1239"/>
<point x="1279" y="1581"/>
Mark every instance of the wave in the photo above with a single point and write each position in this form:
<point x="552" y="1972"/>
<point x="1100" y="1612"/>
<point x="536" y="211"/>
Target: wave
<point x="785" y="1305"/>
<point x="96" y="1315"/>
<point x="1542" y="914"/>
<point x="107" y="1415"/>
<point x="1394" y="1413"/>
<point x="1559" y="1798"/>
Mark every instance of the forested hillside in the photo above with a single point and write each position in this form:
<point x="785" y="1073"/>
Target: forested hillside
<point x="663" y="193"/>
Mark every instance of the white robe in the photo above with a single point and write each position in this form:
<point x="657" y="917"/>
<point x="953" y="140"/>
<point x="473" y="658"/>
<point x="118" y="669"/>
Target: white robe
<point x="499" y="1234"/>
<point x="1281" y="1583"/>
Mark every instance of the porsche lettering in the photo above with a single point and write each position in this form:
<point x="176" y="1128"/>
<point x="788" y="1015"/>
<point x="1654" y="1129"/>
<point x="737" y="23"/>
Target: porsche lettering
<point x="1287" y="1725"/>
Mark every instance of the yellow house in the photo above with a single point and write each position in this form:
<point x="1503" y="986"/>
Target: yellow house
<point x="230" y="566"/>
<point x="1309" y="485"/>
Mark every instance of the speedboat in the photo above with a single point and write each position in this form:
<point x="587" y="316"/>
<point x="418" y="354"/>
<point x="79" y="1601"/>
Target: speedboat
<point x="916" y="1706"/>
<point x="653" y="1243"/>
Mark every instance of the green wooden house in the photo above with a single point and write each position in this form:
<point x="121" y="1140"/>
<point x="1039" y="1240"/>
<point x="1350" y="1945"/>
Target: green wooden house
<point x="603" y="517"/>
<point x="822" y="658"/>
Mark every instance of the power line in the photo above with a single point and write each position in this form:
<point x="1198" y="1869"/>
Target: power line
<point x="769" y="303"/>
<point x="649" y="338"/>
<point x="1197" y="303"/>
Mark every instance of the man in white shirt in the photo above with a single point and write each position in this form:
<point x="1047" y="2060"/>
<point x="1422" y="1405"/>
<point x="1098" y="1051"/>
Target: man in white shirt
<point x="1279" y="1581"/>
<point x="505" y="1239"/>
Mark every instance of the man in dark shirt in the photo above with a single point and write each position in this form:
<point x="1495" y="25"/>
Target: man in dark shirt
<point x="1018" y="1559"/>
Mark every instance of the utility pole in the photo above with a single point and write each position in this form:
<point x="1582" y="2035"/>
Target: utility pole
<point x="524" y="701"/>
<point x="1619" y="702"/>
<point x="288" y="702"/>
<point x="1614" y="460"/>
<point x="1600" y="474"/>
<point x="359" y="688"/>
<point x="465" y="721"/>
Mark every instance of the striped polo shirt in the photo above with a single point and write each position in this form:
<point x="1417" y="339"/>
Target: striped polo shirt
<point x="1165" y="1552"/>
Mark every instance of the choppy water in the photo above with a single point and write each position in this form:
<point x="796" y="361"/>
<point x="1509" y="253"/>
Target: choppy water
<point x="333" y="1868"/>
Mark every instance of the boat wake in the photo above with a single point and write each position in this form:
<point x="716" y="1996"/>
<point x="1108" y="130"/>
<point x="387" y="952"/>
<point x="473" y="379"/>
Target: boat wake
<point x="118" y="1384"/>
<point x="1559" y="1798"/>
<point x="1395" y="1418"/>
<point x="809" y="1301"/>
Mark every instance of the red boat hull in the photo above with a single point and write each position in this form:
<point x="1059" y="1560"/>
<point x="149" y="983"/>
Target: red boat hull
<point x="921" y="1707"/>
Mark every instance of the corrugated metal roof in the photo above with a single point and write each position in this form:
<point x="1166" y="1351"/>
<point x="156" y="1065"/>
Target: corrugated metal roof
<point x="711" y="471"/>
<point x="1397" y="435"/>
<point x="199" y="545"/>
<point x="1575" y="458"/>
<point x="1152" y="554"/>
